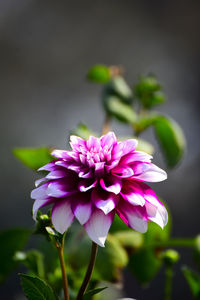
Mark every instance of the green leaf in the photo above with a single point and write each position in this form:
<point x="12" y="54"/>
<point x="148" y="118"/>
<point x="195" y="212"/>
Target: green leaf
<point x="118" y="109"/>
<point x="147" y="91"/>
<point x="171" y="139"/>
<point x="193" y="280"/>
<point x="11" y="240"/>
<point x="83" y="131"/>
<point x="33" y="158"/>
<point x="119" y="87"/>
<point x="99" y="74"/>
<point x="197" y="251"/>
<point x="36" y="289"/>
<point x="168" y="133"/>
<point x="91" y="293"/>
<point x="33" y="260"/>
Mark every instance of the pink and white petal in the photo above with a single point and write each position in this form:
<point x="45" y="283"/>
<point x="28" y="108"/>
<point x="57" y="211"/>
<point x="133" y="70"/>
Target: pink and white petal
<point x="93" y="142"/>
<point x="85" y="174"/>
<point x="39" y="181"/>
<point x="48" y="167"/>
<point x="140" y="167"/>
<point x="114" y="185"/>
<point x="129" y="146"/>
<point x="135" y="156"/>
<point x="62" y="216"/>
<point x="104" y="200"/>
<point x="122" y="171"/>
<point x="153" y="174"/>
<point x="77" y="142"/>
<point x="134" y="197"/>
<point x="99" y="168"/>
<point x="39" y="204"/>
<point x="98" y="226"/>
<point x="62" y="154"/>
<point x="40" y="192"/>
<point x="56" y="174"/>
<point x="137" y="222"/>
<point x="56" y="189"/>
<point x="82" y="211"/>
<point x="117" y="151"/>
<point x="109" y="139"/>
<point x="158" y="215"/>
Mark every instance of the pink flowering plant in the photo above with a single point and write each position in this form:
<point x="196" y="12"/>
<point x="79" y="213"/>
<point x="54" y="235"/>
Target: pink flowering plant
<point x="97" y="193"/>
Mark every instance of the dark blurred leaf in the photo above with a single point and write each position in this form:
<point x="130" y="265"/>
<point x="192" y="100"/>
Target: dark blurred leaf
<point x="83" y="131"/>
<point x="119" y="87"/>
<point x="33" y="260"/>
<point x="99" y="74"/>
<point x="11" y="240"/>
<point x="171" y="139"/>
<point x="36" y="289"/>
<point x="197" y="251"/>
<point x="118" y="109"/>
<point x="147" y="90"/>
<point x="193" y="280"/>
<point x="33" y="158"/>
<point x="91" y="293"/>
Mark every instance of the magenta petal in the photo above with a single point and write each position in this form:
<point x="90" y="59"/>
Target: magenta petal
<point x="122" y="171"/>
<point x="98" y="226"/>
<point x="76" y="142"/>
<point x="134" y="217"/>
<point x="56" y="189"/>
<point x="104" y="200"/>
<point x="62" y="154"/>
<point x="132" y="193"/>
<point x="40" y="192"/>
<point x="129" y="146"/>
<point x="135" y="156"/>
<point x="87" y="184"/>
<point x="85" y="174"/>
<point x="109" y="139"/>
<point x="82" y="212"/>
<point x="48" y="167"/>
<point x="62" y="216"/>
<point x="152" y="174"/>
<point x="112" y="184"/>
<point x="39" y="181"/>
<point x="56" y="174"/>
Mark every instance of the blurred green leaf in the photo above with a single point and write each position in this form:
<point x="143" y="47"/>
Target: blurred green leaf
<point x="197" y="251"/>
<point x="114" y="258"/>
<point x="118" y="109"/>
<point x="99" y="74"/>
<point x="33" y="158"/>
<point x="83" y="131"/>
<point x="145" y="146"/>
<point x="11" y="240"/>
<point x="33" y="260"/>
<point x="36" y="289"/>
<point x="129" y="238"/>
<point x="91" y="293"/>
<point x="193" y="280"/>
<point x="119" y="87"/>
<point x="171" y="139"/>
<point x="146" y="262"/>
<point x="168" y="133"/>
<point x="147" y="90"/>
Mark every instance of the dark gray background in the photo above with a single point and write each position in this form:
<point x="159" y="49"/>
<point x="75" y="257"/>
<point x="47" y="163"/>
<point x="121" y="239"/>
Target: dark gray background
<point x="46" y="48"/>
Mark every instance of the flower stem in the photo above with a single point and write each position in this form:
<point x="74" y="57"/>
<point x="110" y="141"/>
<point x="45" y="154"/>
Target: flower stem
<point x="63" y="269"/>
<point x="106" y="125"/>
<point x="168" y="282"/>
<point x="88" y="272"/>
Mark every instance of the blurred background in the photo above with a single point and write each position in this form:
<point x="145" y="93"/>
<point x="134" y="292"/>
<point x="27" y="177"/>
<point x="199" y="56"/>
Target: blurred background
<point x="46" y="49"/>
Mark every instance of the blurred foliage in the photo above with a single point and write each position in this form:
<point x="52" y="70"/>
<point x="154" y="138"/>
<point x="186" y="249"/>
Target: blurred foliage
<point x="33" y="158"/>
<point x="11" y="240"/>
<point x="193" y="280"/>
<point x="99" y="74"/>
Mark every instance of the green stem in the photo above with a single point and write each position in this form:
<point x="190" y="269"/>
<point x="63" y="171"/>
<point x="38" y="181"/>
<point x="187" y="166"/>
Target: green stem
<point x="175" y="242"/>
<point x="88" y="272"/>
<point x="168" y="282"/>
<point x="63" y="269"/>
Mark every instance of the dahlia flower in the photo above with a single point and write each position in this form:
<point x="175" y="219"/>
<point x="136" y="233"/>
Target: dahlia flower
<point x="96" y="179"/>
